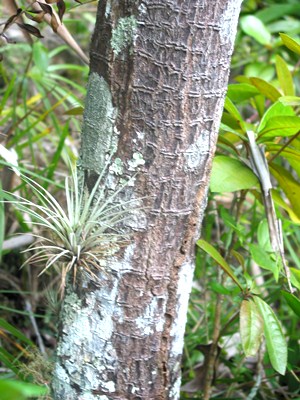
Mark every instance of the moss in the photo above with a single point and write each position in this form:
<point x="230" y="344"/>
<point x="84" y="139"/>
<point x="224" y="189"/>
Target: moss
<point x="123" y="34"/>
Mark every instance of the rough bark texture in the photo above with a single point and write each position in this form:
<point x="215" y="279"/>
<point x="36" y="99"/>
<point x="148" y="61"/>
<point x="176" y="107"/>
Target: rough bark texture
<point x="159" y="72"/>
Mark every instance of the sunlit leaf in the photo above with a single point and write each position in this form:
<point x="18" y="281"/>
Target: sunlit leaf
<point x="266" y="89"/>
<point x="280" y="126"/>
<point x="284" y="76"/>
<point x="251" y="327"/>
<point x="289" y="185"/>
<point x="290" y="100"/>
<point x="281" y="202"/>
<point x="239" y="92"/>
<point x="255" y="28"/>
<point x="275" y="340"/>
<point x="209" y="249"/>
<point x="229" y="175"/>
<point x="277" y="109"/>
<point x="290" y="43"/>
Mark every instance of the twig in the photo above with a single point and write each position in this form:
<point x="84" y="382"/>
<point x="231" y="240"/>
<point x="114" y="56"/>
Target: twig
<point x="28" y="308"/>
<point x="260" y="168"/>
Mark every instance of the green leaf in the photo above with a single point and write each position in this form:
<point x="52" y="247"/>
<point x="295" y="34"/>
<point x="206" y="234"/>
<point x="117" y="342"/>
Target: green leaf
<point x="251" y="327"/>
<point x="277" y="109"/>
<point x="263" y="236"/>
<point x="292" y="301"/>
<point x="282" y="203"/>
<point x="15" y="332"/>
<point x="219" y="259"/>
<point x="290" y="100"/>
<point x="289" y="185"/>
<point x="218" y="288"/>
<point x="275" y="340"/>
<point x="276" y="11"/>
<point x="295" y="277"/>
<point x="233" y="111"/>
<point x="239" y="92"/>
<point x="266" y="89"/>
<point x="260" y="70"/>
<point x="17" y="390"/>
<point x="255" y="28"/>
<point x="40" y="56"/>
<point x="75" y="111"/>
<point x="229" y="175"/>
<point x="284" y="76"/>
<point x="280" y="126"/>
<point x="264" y="259"/>
<point x="290" y="43"/>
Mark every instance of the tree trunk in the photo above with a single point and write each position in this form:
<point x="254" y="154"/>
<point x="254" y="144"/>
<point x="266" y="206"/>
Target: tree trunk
<point x="159" y="71"/>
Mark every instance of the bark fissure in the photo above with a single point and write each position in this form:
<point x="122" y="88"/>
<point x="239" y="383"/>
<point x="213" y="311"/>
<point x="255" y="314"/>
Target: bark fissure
<point x="157" y="103"/>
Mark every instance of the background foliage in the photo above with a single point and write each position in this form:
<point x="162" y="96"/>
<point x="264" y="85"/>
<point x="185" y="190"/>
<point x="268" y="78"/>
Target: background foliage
<point x="242" y="338"/>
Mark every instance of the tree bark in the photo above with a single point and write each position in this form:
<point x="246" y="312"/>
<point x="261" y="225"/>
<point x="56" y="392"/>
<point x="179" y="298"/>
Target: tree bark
<point x="159" y="71"/>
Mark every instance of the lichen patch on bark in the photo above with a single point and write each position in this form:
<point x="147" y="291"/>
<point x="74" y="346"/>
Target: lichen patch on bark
<point x="123" y="34"/>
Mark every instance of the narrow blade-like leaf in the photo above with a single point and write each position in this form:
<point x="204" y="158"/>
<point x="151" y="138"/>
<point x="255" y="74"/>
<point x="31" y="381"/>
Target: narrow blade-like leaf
<point x="219" y="259"/>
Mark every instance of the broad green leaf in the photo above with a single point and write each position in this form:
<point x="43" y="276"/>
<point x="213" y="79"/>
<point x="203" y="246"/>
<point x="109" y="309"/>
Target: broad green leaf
<point x="209" y="249"/>
<point x="251" y="327"/>
<point x="239" y="92"/>
<point x="277" y="109"/>
<point x="17" y="390"/>
<point x="255" y="28"/>
<point x="275" y="340"/>
<point x="276" y="11"/>
<point x="263" y="236"/>
<point x="292" y="301"/>
<point x="284" y="76"/>
<point x="280" y="126"/>
<point x="288" y="25"/>
<point x="290" y="43"/>
<point x="15" y="332"/>
<point x="260" y="70"/>
<point x="218" y="288"/>
<point x="289" y="185"/>
<point x="266" y="89"/>
<point x="290" y="100"/>
<point x="295" y="277"/>
<point x="229" y="175"/>
<point x="264" y="259"/>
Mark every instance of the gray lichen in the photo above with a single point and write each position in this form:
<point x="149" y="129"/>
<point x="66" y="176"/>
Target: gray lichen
<point x="99" y="136"/>
<point x="123" y="34"/>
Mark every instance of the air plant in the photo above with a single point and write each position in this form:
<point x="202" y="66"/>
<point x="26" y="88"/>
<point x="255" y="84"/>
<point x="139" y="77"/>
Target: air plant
<point x="75" y="238"/>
